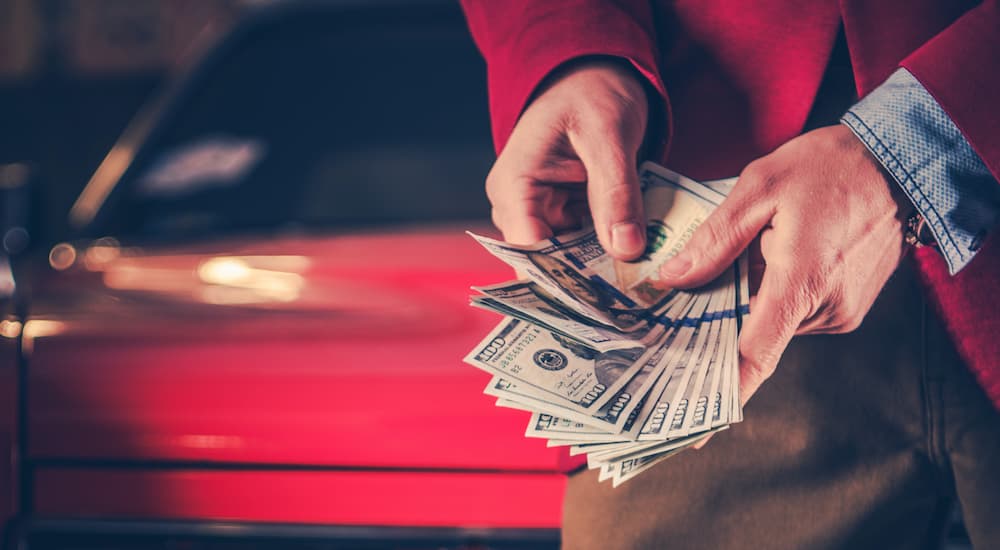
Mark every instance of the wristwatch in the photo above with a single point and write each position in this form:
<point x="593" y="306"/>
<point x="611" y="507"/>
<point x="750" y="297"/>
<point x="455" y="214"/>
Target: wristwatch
<point x="916" y="233"/>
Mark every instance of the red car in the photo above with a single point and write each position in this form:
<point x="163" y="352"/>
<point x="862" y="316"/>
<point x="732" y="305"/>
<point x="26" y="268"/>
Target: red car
<point x="254" y="337"/>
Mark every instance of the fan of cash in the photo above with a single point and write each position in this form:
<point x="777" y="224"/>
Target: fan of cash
<point x="609" y="362"/>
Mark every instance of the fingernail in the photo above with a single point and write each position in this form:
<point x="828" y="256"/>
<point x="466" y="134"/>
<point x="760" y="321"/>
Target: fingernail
<point x="677" y="266"/>
<point x="627" y="238"/>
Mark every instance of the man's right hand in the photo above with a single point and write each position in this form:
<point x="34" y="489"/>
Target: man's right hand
<point x="572" y="157"/>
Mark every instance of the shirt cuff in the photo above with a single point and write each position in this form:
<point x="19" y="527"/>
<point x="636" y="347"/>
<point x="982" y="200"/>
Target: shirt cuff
<point x="915" y="140"/>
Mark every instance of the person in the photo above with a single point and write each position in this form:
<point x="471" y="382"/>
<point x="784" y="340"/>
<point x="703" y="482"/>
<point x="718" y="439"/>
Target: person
<point x="859" y="131"/>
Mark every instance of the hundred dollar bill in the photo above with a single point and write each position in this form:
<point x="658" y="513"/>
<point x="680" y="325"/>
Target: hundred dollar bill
<point x="678" y="354"/>
<point x="618" y="452"/>
<point x="628" y="468"/>
<point x="667" y="405"/>
<point x="578" y="377"/>
<point x="551" y="427"/>
<point x="527" y="300"/>
<point x="706" y="388"/>
<point x="575" y="269"/>
<point x="610" y="363"/>
<point x="515" y="395"/>
<point x="697" y="363"/>
<point x="743" y="299"/>
<point x="675" y="206"/>
<point x="621" y="412"/>
<point x="526" y="398"/>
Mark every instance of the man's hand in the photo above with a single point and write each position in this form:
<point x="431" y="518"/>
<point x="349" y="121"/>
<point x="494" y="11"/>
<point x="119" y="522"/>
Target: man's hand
<point x="571" y="156"/>
<point x="830" y="226"/>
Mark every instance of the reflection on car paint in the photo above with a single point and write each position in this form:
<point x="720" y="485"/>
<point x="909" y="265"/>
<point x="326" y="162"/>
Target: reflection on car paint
<point x="217" y="161"/>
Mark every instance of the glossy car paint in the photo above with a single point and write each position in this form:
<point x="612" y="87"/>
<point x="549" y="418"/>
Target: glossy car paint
<point x="339" y="397"/>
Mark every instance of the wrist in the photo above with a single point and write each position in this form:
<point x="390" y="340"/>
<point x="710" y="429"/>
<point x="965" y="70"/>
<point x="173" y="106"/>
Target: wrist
<point x="600" y="76"/>
<point x="913" y="228"/>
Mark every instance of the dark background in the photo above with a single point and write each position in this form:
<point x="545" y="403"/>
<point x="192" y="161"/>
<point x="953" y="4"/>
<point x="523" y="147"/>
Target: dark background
<point x="74" y="72"/>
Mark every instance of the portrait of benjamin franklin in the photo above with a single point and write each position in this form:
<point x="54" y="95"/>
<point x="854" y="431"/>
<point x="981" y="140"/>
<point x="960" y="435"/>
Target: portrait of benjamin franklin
<point x="609" y="366"/>
<point x="571" y="281"/>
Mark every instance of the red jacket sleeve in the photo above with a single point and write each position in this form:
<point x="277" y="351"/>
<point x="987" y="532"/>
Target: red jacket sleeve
<point x="960" y="67"/>
<point x="525" y="40"/>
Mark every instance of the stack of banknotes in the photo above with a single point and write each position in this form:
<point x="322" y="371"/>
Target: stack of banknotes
<point x="610" y="362"/>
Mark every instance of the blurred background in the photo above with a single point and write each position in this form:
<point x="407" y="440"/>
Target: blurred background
<point x="74" y="72"/>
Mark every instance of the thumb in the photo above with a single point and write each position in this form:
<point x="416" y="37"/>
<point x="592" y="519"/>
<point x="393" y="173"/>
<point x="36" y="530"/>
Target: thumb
<point x="716" y="243"/>
<point x="613" y="192"/>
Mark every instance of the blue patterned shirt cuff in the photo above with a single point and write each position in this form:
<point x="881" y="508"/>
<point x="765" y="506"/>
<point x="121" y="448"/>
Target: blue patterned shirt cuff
<point x="916" y="141"/>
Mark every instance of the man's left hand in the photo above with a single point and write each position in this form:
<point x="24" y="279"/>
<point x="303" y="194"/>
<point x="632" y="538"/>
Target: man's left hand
<point x="830" y="222"/>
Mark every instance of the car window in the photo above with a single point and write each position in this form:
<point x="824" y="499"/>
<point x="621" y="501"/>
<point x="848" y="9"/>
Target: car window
<point x="320" y="122"/>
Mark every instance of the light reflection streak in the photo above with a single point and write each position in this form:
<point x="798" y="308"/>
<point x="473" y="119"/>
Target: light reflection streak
<point x="220" y="280"/>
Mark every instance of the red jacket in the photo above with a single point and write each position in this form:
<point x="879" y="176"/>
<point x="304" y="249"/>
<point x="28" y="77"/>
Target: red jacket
<point x="738" y="79"/>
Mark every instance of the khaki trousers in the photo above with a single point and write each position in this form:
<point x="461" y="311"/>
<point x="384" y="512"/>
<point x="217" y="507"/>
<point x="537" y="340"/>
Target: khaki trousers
<point x="863" y="440"/>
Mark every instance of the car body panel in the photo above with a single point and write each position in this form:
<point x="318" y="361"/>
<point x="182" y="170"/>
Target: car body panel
<point x="361" y="368"/>
<point x="351" y="497"/>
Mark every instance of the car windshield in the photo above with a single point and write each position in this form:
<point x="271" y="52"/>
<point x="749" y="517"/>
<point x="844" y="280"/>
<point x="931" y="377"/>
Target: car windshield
<point x="319" y="121"/>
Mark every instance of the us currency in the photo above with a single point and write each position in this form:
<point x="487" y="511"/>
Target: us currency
<point x="626" y="469"/>
<point x="669" y="402"/>
<point x="707" y="383"/>
<point x="576" y="270"/>
<point x="570" y="432"/>
<point x="610" y="362"/>
<point x="563" y="267"/>
<point x="623" y="460"/>
<point x="527" y="300"/>
<point x="621" y="412"/>
<point x="516" y="395"/>
<point x="577" y="377"/>
<point x="675" y="206"/>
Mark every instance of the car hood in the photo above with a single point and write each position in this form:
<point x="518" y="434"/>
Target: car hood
<point x="330" y="350"/>
<point x="402" y="280"/>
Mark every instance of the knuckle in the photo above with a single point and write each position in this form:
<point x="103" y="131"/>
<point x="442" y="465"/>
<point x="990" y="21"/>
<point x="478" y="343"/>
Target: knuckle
<point x="613" y="195"/>
<point x="719" y="230"/>
<point x="760" y="178"/>
<point x="612" y="189"/>
<point x="755" y="173"/>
